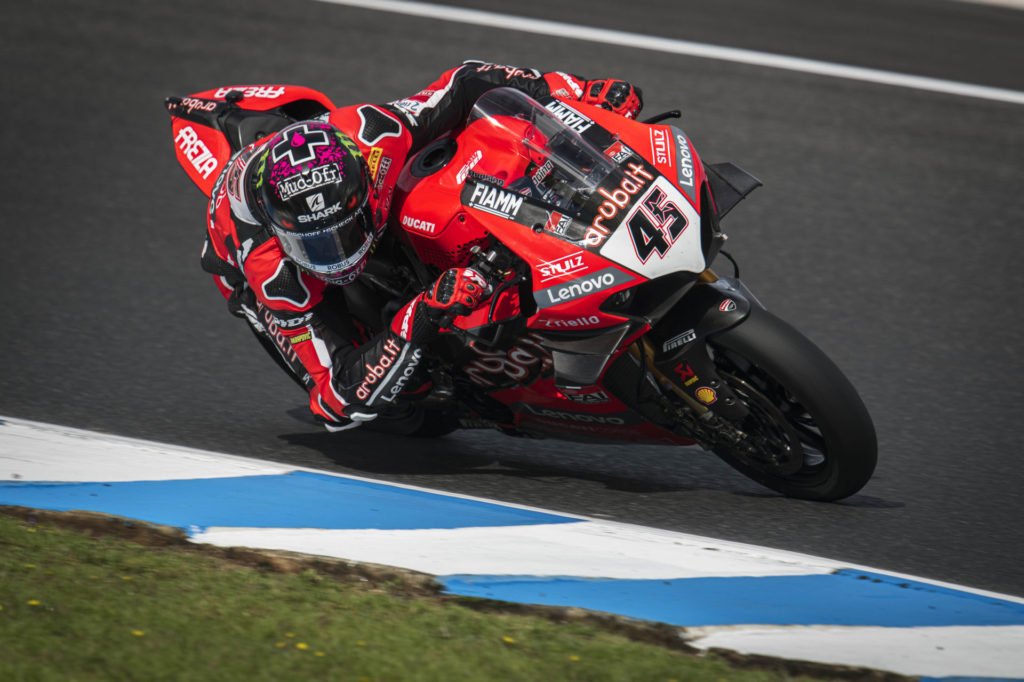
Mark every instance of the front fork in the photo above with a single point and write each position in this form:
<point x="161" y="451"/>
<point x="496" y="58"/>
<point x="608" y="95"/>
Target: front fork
<point x="676" y="350"/>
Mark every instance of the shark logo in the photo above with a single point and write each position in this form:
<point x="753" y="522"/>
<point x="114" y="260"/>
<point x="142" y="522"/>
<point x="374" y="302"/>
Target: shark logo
<point x="315" y="202"/>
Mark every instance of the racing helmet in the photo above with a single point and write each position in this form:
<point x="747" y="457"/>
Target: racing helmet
<point x="311" y="183"/>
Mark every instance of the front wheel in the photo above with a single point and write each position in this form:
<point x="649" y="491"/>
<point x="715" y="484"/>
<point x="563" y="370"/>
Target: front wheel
<point x="808" y="432"/>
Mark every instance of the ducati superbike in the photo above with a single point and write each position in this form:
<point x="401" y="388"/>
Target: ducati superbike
<point x="604" y="320"/>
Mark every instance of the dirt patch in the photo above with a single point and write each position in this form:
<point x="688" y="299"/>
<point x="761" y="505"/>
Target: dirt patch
<point x="406" y="583"/>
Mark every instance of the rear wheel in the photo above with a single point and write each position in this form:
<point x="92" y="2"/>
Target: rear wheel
<point x="808" y="432"/>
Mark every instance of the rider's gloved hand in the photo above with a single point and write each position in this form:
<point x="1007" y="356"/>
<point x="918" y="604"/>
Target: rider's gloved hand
<point x="456" y="292"/>
<point x="618" y="96"/>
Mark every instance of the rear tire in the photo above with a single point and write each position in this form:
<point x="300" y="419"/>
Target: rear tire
<point x="802" y="406"/>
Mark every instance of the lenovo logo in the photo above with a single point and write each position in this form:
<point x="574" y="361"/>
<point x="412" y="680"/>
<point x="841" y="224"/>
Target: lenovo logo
<point x="604" y="280"/>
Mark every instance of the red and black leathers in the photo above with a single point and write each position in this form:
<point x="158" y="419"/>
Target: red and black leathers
<point x="351" y="375"/>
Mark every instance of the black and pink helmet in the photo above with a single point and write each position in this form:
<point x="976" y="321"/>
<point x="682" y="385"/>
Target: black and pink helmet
<point x="311" y="182"/>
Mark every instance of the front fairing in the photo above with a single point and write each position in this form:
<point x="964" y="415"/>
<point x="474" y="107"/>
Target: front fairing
<point x="601" y="194"/>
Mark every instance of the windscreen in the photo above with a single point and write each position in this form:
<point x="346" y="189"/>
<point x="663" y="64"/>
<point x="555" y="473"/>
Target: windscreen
<point x="560" y="167"/>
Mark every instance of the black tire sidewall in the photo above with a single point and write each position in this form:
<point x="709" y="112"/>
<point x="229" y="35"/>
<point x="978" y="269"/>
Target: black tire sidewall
<point x="819" y="385"/>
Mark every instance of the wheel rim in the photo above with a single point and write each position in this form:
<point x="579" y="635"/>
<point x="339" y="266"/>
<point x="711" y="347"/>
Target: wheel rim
<point x="802" y="452"/>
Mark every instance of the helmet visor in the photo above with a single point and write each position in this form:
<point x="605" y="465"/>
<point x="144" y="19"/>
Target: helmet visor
<point x="334" y="251"/>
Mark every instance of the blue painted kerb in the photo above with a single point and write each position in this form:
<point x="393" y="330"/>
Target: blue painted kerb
<point x="295" y="500"/>
<point x="846" y="597"/>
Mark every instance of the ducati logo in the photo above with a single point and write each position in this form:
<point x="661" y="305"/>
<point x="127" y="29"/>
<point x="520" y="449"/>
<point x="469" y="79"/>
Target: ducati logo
<point x="299" y="145"/>
<point x="315" y="202"/>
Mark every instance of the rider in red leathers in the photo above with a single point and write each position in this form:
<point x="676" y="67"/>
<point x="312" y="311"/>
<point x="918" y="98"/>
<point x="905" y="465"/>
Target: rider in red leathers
<point x="307" y="206"/>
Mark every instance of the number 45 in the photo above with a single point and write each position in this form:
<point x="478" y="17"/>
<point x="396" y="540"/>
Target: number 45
<point x="657" y="225"/>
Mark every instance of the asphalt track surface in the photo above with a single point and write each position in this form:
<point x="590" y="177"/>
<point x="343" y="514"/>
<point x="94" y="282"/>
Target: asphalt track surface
<point x="888" y="230"/>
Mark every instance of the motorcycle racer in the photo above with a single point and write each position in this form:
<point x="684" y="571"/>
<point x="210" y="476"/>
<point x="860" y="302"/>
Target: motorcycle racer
<point x="306" y="208"/>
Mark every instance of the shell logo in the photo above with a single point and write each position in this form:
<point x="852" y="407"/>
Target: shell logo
<point x="706" y="395"/>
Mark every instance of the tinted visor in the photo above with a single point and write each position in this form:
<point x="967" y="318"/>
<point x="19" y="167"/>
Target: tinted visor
<point x="333" y="250"/>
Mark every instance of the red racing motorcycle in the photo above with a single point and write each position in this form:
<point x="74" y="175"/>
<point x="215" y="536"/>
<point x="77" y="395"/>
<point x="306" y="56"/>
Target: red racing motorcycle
<point x="605" y="321"/>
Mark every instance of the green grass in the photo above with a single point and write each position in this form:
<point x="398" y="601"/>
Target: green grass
<point x="76" y="607"/>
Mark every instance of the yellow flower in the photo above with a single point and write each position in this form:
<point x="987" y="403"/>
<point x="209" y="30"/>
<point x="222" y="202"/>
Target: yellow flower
<point x="31" y="530"/>
<point x="126" y="577"/>
<point x="319" y="653"/>
<point x="360" y="643"/>
<point x="33" y="602"/>
<point x="574" y="657"/>
<point x="138" y="633"/>
<point x="302" y="645"/>
<point x="29" y="565"/>
<point x="508" y="640"/>
<point x="280" y="645"/>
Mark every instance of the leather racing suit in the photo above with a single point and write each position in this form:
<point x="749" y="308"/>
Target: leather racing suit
<point x="350" y="375"/>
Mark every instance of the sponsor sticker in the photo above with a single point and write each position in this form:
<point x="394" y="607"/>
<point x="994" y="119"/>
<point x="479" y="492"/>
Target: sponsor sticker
<point x="510" y="71"/>
<point x="685" y="165"/>
<point x="562" y="267"/>
<point x="192" y="104"/>
<point x="558" y="223"/>
<point x="470" y="165"/>
<point x="686" y="374"/>
<point x="495" y="200"/>
<point x="316" y="203"/>
<point x="575" y="85"/>
<point x="417" y="224"/>
<point x="299" y="145"/>
<point x="706" y="395"/>
<point x="619" y="152"/>
<point x="679" y="340"/>
<point x="307" y="181"/>
<point x="260" y="91"/>
<point x="604" y="280"/>
<point x="655" y="224"/>
<point x="373" y="160"/>
<point x="572" y="119"/>
<point x="385" y="166"/>
<point x="661" y="146"/>
<point x="521" y="364"/>
<point x="410" y="106"/>
<point x="591" y="398"/>
<point x="634" y="179"/>
<point x="579" y="417"/>
<point x="574" y="323"/>
<point x="376" y="371"/>
<point x="196" y="151"/>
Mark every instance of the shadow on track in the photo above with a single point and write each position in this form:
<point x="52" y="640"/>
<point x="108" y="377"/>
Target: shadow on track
<point x="629" y="468"/>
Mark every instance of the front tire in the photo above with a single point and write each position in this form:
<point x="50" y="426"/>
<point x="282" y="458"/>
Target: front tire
<point x="814" y="436"/>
